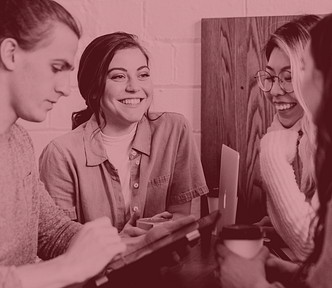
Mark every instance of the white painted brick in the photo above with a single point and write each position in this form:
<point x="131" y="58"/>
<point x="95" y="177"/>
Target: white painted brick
<point x="286" y="7"/>
<point x="118" y="15"/>
<point x="188" y="64"/>
<point x="161" y="62"/>
<point x="177" y="19"/>
<point x="60" y="115"/>
<point x="41" y="138"/>
<point x="184" y="101"/>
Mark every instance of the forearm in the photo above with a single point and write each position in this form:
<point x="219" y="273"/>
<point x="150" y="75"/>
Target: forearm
<point x="49" y="274"/>
<point x="290" y="214"/>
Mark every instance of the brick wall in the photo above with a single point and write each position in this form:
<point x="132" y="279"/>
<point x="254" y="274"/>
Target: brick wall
<point x="171" y="32"/>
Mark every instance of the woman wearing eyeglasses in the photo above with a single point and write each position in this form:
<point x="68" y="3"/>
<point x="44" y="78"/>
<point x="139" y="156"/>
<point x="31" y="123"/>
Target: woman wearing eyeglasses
<point x="286" y="152"/>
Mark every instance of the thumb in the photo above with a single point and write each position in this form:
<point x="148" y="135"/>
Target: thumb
<point x="134" y="217"/>
<point x="263" y="254"/>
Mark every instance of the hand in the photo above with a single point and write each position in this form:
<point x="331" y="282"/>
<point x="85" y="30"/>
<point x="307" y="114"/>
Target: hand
<point x="164" y="215"/>
<point x="265" y="221"/>
<point x="237" y="272"/>
<point x="159" y="232"/>
<point x="280" y="143"/>
<point x="166" y="229"/>
<point x="130" y="228"/>
<point x="278" y="269"/>
<point x="95" y="245"/>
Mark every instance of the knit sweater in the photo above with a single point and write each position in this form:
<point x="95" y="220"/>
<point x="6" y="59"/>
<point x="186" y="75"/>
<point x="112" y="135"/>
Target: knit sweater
<point x="290" y="212"/>
<point x="30" y="222"/>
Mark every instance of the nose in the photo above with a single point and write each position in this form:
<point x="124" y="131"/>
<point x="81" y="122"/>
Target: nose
<point x="63" y="85"/>
<point x="133" y="86"/>
<point x="276" y="89"/>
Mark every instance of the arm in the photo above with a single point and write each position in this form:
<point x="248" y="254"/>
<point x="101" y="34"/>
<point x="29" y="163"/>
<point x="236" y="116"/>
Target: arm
<point x="290" y="214"/>
<point x="57" y="175"/>
<point x="237" y="272"/>
<point x="89" y="252"/>
<point x="187" y="179"/>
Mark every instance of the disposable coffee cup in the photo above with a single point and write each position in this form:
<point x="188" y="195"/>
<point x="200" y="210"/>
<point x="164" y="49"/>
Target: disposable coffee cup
<point x="244" y="240"/>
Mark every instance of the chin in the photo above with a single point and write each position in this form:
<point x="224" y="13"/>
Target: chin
<point x="35" y="118"/>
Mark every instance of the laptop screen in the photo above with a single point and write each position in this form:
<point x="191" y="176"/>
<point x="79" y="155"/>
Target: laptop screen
<point x="228" y="186"/>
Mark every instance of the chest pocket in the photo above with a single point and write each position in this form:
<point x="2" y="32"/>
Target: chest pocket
<point x="156" y="198"/>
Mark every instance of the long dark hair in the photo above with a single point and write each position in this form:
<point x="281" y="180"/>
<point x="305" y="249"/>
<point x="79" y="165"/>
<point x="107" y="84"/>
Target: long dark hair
<point x="30" y="21"/>
<point x="93" y="70"/>
<point x="321" y="49"/>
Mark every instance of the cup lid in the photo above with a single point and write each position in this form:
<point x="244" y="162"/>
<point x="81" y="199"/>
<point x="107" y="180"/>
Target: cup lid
<point x="241" y="231"/>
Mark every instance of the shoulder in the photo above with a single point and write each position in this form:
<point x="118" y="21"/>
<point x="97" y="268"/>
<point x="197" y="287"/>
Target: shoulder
<point x="70" y="142"/>
<point x="172" y="119"/>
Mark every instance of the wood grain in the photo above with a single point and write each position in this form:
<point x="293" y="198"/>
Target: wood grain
<point x="234" y="111"/>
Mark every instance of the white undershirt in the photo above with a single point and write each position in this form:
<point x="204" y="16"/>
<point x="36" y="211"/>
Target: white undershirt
<point x="118" y="150"/>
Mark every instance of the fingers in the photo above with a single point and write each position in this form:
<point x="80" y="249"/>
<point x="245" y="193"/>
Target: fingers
<point x="173" y="225"/>
<point x="223" y="251"/>
<point x="164" y="215"/>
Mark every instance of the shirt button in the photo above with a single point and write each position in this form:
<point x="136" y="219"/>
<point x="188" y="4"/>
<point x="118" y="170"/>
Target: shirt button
<point x="134" y="153"/>
<point x="137" y="162"/>
<point x="135" y="208"/>
<point x="136" y="185"/>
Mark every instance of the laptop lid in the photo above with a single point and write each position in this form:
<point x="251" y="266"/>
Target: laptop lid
<point x="228" y="185"/>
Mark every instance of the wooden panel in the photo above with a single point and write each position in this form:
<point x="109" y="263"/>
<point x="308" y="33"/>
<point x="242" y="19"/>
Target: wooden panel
<point x="234" y="111"/>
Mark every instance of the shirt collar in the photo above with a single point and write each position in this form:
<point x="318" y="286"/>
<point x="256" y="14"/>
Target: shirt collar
<point x="93" y="144"/>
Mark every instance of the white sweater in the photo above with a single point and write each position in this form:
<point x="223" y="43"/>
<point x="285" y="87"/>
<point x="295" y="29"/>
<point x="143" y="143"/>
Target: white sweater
<point x="290" y="213"/>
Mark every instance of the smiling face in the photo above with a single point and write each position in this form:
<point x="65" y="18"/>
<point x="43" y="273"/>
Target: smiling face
<point x="128" y="91"/>
<point x="42" y="75"/>
<point x="312" y="84"/>
<point x="288" y="109"/>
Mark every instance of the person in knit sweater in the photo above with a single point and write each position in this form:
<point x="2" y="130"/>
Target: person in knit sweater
<point x="38" y="42"/>
<point x="289" y="185"/>
<point x="267" y="271"/>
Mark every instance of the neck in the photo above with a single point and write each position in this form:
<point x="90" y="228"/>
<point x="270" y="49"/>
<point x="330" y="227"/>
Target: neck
<point x="7" y="114"/>
<point x="115" y="131"/>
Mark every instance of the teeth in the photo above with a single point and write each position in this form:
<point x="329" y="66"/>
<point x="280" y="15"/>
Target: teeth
<point x="131" y="101"/>
<point x="282" y="107"/>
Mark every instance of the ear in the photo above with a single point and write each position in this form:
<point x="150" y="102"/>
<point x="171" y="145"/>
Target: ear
<point x="8" y="49"/>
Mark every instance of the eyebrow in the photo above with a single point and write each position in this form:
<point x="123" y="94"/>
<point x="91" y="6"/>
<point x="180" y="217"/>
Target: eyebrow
<point x="288" y="67"/>
<point x="125" y="70"/>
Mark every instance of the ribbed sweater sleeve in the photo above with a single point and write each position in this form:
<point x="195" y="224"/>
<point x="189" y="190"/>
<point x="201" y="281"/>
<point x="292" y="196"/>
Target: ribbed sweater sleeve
<point x="290" y="214"/>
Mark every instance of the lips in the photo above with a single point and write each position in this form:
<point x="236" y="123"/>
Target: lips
<point x="131" y="101"/>
<point x="284" y="106"/>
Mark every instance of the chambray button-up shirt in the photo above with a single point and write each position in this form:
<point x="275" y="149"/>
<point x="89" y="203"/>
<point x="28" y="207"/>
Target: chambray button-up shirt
<point x="165" y="170"/>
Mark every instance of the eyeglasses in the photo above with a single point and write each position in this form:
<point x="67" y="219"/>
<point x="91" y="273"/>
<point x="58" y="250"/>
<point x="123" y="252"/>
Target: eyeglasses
<point x="265" y="81"/>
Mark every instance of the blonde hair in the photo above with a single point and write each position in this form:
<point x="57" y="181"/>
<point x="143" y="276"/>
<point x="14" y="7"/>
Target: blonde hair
<point x="292" y="38"/>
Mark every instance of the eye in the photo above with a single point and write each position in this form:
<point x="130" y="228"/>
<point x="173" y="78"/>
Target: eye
<point x="287" y="77"/>
<point x="118" y="77"/>
<point x="57" y="68"/>
<point x="144" y="75"/>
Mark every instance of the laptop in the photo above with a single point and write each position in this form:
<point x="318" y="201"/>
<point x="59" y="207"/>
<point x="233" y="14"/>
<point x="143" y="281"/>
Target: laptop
<point x="228" y="186"/>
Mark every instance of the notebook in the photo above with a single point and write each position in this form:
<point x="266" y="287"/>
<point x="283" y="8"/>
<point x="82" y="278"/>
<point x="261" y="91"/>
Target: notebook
<point x="228" y="186"/>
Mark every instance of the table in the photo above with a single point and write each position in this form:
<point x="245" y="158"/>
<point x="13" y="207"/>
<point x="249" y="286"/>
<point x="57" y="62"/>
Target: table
<point x="195" y="270"/>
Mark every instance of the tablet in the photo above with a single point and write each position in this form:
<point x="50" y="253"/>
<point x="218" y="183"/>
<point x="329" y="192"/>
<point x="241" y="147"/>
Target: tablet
<point x="125" y="267"/>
